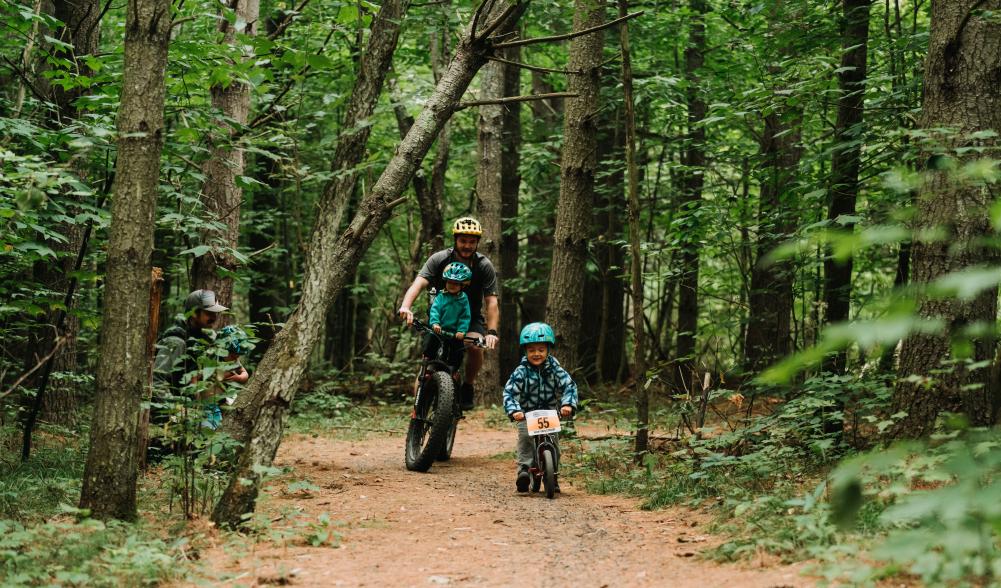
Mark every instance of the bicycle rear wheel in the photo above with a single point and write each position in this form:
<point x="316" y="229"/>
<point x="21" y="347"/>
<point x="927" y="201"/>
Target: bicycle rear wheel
<point x="549" y="472"/>
<point x="429" y="427"/>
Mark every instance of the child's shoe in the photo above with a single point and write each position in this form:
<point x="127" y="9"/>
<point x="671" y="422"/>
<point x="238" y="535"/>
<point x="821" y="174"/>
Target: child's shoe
<point x="524" y="478"/>
<point x="557" y="484"/>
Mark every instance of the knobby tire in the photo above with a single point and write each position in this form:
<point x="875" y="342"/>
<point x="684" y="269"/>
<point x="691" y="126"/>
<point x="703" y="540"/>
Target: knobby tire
<point x="433" y="418"/>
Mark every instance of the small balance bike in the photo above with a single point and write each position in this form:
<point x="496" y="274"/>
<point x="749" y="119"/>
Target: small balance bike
<point x="544" y="429"/>
<point x="436" y="411"/>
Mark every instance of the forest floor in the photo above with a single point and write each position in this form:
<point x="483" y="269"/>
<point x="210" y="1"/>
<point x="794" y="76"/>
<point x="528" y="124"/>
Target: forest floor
<point x="463" y="523"/>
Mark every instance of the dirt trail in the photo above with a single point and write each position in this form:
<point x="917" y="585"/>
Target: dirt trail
<point x="464" y="524"/>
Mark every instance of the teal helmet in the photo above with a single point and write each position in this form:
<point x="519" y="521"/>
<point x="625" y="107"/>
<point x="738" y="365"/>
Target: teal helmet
<point x="457" y="272"/>
<point x="537" y="333"/>
<point x="234" y="339"/>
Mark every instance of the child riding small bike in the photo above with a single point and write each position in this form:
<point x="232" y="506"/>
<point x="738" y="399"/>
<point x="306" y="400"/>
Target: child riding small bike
<point x="538" y="383"/>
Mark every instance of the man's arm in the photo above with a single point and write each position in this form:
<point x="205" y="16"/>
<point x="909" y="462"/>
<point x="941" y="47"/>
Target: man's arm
<point x="491" y="310"/>
<point x="408" y="299"/>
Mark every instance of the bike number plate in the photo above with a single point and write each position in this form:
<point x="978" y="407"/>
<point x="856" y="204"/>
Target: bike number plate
<point x="542" y="422"/>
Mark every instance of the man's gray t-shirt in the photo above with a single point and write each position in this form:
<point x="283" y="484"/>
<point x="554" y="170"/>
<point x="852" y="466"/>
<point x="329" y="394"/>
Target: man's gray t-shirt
<point x="484" y="282"/>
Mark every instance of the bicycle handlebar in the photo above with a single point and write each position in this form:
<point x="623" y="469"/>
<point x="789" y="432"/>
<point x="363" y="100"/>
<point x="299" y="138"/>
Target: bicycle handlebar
<point x="476" y="341"/>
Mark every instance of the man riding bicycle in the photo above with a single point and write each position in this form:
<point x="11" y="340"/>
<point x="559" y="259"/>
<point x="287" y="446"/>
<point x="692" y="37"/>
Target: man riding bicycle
<point x="482" y="294"/>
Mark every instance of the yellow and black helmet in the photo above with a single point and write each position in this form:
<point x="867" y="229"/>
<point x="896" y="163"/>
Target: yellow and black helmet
<point x="467" y="225"/>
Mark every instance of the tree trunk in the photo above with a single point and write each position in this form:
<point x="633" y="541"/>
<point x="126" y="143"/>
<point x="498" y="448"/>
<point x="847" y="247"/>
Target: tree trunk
<point x="694" y="161"/>
<point x="81" y="29"/>
<point x="961" y="93"/>
<point x="221" y="195"/>
<point x="641" y="393"/>
<point x="845" y="163"/>
<point x="546" y="115"/>
<point x="509" y="329"/>
<point x="489" y="201"/>
<point x="771" y="298"/>
<point x="610" y="287"/>
<point x="564" y="308"/>
<point x="109" y="479"/>
<point x="257" y="420"/>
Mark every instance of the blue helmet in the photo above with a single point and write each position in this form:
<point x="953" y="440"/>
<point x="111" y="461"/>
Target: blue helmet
<point x="537" y="333"/>
<point x="234" y="339"/>
<point x="457" y="272"/>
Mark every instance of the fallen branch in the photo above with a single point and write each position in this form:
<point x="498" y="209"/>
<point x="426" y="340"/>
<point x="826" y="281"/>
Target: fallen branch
<point x="572" y="35"/>
<point x="626" y="436"/>
<point x="510" y="99"/>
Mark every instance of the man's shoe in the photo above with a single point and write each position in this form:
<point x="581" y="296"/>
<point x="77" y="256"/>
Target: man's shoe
<point x="466" y="396"/>
<point x="524" y="478"/>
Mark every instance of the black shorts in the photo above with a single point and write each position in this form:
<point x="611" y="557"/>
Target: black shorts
<point x="453" y="353"/>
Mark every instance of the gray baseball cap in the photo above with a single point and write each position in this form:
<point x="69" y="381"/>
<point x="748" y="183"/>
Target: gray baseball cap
<point x="203" y="300"/>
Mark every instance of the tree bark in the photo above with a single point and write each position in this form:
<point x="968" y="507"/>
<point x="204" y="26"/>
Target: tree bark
<point x="692" y="178"/>
<point x="490" y="199"/>
<point x="771" y="298"/>
<point x="509" y="329"/>
<point x="257" y="420"/>
<point x="641" y="393"/>
<point x="564" y="308"/>
<point x="609" y="285"/>
<point x="962" y="93"/>
<point x="846" y="162"/>
<point x="109" y="479"/>
<point x="221" y="195"/>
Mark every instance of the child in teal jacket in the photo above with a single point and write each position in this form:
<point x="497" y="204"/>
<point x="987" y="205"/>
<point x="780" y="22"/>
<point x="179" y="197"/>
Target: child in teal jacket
<point x="450" y="312"/>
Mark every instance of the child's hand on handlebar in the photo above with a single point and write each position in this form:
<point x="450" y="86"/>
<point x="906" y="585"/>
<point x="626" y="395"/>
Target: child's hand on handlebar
<point x="460" y="336"/>
<point x="436" y="329"/>
<point x="518" y="416"/>
<point x="566" y="411"/>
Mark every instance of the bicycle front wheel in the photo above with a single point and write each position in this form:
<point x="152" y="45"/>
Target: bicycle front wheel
<point x="549" y="472"/>
<point x="429" y="427"/>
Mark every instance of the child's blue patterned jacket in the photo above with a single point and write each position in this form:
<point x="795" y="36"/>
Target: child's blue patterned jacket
<point x="547" y="387"/>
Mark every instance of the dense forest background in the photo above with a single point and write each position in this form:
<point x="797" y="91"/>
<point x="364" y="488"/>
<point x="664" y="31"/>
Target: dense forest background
<point x="807" y="270"/>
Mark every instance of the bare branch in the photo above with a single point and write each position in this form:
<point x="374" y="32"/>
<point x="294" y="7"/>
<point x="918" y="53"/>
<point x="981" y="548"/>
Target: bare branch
<point x="59" y="343"/>
<point x="497" y="21"/>
<point x="510" y="99"/>
<point x="534" y="67"/>
<point x="572" y="35"/>
<point x="287" y="21"/>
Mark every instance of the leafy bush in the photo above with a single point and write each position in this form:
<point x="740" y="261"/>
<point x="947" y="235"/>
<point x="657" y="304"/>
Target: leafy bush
<point x="88" y="552"/>
<point x="940" y="504"/>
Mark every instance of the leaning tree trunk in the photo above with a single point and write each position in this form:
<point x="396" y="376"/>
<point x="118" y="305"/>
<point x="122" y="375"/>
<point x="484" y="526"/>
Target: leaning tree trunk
<point x="694" y="161"/>
<point x="564" y="306"/>
<point x="221" y="195"/>
<point x="845" y="163"/>
<point x="261" y="408"/>
<point x="961" y="93"/>
<point x="109" y="478"/>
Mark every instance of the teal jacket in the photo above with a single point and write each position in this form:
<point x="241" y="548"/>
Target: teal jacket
<point x="451" y="312"/>
<point x="546" y="387"/>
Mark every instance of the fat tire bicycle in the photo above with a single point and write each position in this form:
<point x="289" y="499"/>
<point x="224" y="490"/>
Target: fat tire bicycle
<point x="436" y="411"/>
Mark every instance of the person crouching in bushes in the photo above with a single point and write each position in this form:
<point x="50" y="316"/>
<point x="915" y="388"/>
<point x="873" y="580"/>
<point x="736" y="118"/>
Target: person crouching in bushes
<point x="450" y="312"/>
<point x="233" y="342"/>
<point x="538" y="383"/>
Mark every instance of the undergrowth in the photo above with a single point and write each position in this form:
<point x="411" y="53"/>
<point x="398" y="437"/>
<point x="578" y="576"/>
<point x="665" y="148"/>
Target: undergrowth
<point x="784" y="481"/>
